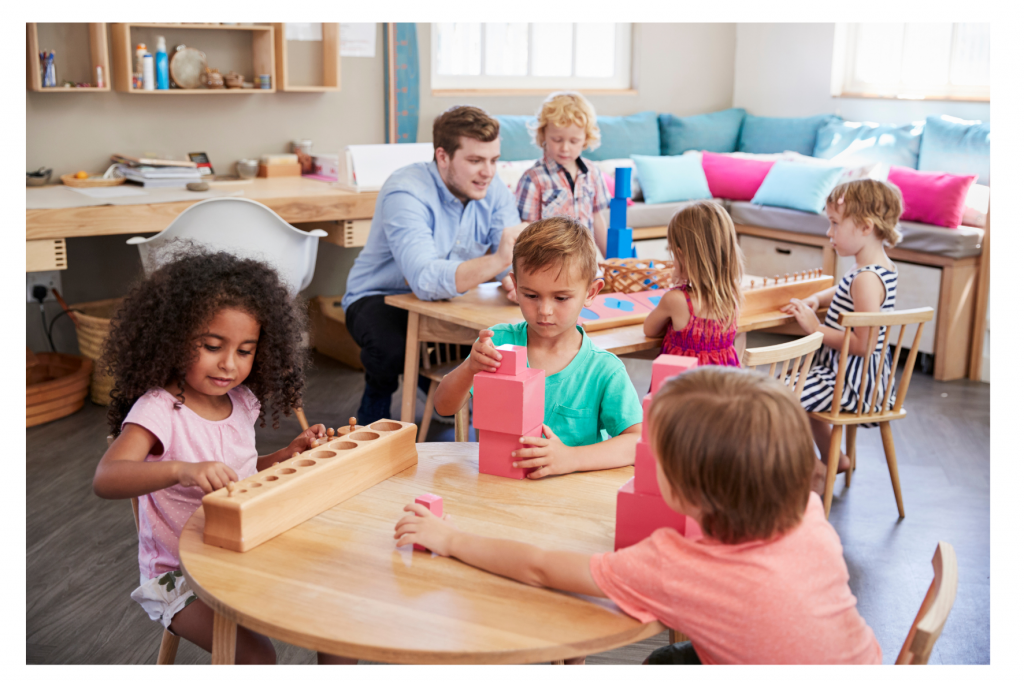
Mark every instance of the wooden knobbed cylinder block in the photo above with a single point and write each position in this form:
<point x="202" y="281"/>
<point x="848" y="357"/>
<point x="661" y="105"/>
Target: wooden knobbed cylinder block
<point x="277" y="499"/>
<point x="771" y="298"/>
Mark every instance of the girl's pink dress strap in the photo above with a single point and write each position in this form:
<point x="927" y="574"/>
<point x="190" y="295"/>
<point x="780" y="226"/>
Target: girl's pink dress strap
<point x="702" y="338"/>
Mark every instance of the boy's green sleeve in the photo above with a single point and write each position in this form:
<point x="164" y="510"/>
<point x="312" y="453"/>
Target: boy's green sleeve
<point x="620" y="407"/>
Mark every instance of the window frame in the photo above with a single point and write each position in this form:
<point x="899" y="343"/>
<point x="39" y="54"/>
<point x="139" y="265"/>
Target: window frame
<point x="622" y="83"/>
<point x="843" y="83"/>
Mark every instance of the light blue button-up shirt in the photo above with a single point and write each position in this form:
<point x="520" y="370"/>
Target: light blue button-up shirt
<point x="421" y="232"/>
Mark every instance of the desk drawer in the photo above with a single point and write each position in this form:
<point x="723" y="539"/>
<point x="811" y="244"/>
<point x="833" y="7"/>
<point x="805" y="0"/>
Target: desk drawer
<point x="771" y="257"/>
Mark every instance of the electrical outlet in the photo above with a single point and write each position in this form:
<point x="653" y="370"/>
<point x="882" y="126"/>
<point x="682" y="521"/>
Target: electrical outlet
<point x="49" y="279"/>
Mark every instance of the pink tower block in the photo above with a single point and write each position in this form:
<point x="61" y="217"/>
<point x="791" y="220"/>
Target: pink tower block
<point x="646" y="405"/>
<point x="513" y="359"/>
<point x="436" y="506"/>
<point x="646" y="473"/>
<point x="496" y="452"/>
<point x="509" y="404"/>
<point x="637" y="516"/>
<point x="667" y="366"/>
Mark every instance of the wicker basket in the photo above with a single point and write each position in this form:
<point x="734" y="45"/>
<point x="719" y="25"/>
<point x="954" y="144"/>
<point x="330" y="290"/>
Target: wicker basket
<point x="93" y="328"/>
<point x="55" y="386"/>
<point x="630" y="275"/>
<point x="71" y="181"/>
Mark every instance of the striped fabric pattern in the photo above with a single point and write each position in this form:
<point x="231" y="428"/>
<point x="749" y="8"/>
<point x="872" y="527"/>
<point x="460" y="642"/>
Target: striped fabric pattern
<point x="544" y="192"/>
<point x="821" y="379"/>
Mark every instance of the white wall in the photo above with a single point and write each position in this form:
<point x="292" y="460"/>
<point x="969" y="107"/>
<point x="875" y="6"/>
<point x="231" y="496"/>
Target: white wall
<point x="786" y="69"/>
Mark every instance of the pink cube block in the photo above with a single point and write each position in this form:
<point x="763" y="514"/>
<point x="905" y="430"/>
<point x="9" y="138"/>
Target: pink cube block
<point x="645" y="470"/>
<point x="496" y="452"/>
<point x="667" y="366"/>
<point x="646" y="405"/>
<point x="509" y="404"/>
<point x="638" y="515"/>
<point x="436" y="506"/>
<point x="513" y="359"/>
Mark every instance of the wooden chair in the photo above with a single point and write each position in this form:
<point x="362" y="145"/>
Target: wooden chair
<point x="934" y="611"/>
<point x="783" y="353"/>
<point x="873" y="410"/>
<point x="169" y="643"/>
<point x="438" y="360"/>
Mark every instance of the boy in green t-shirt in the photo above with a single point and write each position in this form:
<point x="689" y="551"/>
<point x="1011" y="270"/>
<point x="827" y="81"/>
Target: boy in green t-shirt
<point x="587" y="393"/>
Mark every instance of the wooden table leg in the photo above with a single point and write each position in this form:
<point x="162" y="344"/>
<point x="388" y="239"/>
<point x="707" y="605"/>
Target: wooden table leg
<point x="225" y="632"/>
<point x="412" y="368"/>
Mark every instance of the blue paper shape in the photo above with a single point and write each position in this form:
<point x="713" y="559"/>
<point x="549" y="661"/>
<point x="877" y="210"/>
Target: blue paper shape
<point x="588" y="314"/>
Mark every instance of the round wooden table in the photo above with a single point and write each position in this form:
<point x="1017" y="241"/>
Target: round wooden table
<point x="338" y="584"/>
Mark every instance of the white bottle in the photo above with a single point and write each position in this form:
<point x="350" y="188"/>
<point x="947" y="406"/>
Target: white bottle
<point x="140" y="50"/>
<point x="148" y="73"/>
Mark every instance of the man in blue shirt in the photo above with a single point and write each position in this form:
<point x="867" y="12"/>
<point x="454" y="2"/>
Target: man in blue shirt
<point x="439" y="229"/>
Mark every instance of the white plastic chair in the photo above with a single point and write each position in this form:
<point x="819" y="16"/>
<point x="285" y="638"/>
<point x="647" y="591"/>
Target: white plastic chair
<point x="243" y="227"/>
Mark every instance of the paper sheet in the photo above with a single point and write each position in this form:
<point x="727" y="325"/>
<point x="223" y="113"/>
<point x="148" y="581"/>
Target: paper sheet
<point x="60" y="196"/>
<point x="295" y="31"/>
<point x="109" y="192"/>
<point x="357" y="40"/>
<point x="373" y="163"/>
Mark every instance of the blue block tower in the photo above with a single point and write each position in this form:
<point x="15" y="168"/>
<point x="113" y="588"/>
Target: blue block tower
<point x="620" y="237"/>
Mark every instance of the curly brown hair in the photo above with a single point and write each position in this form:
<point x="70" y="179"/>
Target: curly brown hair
<point x="153" y="335"/>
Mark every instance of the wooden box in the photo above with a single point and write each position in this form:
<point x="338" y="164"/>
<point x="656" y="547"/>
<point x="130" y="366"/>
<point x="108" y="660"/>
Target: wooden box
<point x="280" y="170"/>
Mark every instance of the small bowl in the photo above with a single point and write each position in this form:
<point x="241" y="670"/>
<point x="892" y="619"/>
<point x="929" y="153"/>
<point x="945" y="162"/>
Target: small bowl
<point x="247" y="168"/>
<point x="36" y="179"/>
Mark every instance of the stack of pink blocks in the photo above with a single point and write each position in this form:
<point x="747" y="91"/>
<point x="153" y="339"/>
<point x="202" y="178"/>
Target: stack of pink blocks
<point x="640" y="509"/>
<point x="507" y="405"/>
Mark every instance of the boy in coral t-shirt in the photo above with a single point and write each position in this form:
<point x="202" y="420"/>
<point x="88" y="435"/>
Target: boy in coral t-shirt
<point x="766" y="584"/>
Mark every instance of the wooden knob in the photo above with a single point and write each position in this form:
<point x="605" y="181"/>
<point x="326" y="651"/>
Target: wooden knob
<point x="352" y="426"/>
<point x="765" y="281"/>
<point x="330" y="432"/>
<point x="231" y="489"/>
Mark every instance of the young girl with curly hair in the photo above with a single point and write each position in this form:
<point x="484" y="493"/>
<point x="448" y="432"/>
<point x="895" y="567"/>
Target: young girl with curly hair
<point x="199" y="351"/>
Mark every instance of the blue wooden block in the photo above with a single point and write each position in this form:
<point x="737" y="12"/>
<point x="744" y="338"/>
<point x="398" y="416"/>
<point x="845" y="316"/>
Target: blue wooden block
<point x="617" y="221"/>
<point x="620" y="243"/>
<point x="623" y="177"/>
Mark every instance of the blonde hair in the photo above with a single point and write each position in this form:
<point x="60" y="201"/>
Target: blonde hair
<point x="560" y="240"/>
<point x="877" y="203"/>
<point x="736" y="444"/>
<point x="703" y="239"/>
<point x="564" y="109"/>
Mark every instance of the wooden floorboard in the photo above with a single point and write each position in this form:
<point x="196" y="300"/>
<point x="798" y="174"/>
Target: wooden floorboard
<point x="81" y="553"/>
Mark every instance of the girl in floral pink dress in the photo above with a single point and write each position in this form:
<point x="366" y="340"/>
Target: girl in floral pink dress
<point x="698" y="318"/>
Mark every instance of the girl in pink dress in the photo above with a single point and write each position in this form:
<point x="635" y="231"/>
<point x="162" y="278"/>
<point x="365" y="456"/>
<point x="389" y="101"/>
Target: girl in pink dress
<point x="698" y="317"/>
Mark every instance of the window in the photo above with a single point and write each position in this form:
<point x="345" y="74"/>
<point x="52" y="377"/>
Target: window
<point x="912" y="61"/>
<point x="526" y="56"/>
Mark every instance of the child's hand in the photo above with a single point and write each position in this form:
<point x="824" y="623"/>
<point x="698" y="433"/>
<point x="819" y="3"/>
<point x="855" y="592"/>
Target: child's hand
<point x="803" y="313"/>
<point x="423" y="528"/>
<point x="510" y="289"/>
<point x="548" y="457"/>
<point x="209" y="476"/>
<point x="306" y="440"/>
<point x="484" y="356"/>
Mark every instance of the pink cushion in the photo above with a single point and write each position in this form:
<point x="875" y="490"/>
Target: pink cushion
<point x="932" y="197"/>
<point x="609" y="182"/>
<point x="732" y="178"/>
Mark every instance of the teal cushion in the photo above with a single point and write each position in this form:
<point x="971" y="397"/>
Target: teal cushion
<point x="718" y="131"/>
<point x="625" y="135"/>
<point x="671" y="178"/>
<point x="764" y="135"/>
<point x="516" y="139"/>
<point x="799" y="186"/>
<point x="956" y="146"/>
<point x="851" y="143"/>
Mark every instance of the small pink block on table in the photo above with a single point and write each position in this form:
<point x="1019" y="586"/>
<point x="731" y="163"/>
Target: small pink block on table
<point x="513" y="359"/>
<point x="509" y="404"/>
<point x="638" y="515"/>
<point x="496" y="452"/>
<point x="667" y="366"/>
<point x="436" y="506"/>
<point x="646" y="473"/>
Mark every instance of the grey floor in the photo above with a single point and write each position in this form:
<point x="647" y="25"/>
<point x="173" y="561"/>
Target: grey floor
<point x="81" y="550"/>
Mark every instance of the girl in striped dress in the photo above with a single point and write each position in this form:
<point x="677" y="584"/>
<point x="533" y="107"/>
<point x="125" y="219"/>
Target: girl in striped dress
<point x="698" y="317"/>
<point x="863" y="217"/>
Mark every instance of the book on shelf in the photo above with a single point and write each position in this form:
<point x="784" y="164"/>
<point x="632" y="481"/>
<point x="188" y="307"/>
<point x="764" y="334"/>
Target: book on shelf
<point x="150" y="176"/>
<point x="141" y="161"/>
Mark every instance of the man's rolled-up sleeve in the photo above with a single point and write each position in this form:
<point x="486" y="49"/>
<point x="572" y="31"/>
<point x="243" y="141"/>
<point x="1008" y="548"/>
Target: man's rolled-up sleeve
<point x="408" y="225"/>
<point x="505" y="214"/>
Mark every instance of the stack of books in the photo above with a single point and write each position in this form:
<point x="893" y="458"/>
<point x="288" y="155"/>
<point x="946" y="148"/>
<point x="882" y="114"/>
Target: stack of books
<point x="152" y="173"/>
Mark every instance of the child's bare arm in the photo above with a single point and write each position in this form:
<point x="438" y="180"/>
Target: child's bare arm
<point x="304" y="441"/>
<point x="551" y="457"/>
<point x="453" y="391"/>
<point x="123" y="471"/>
<point x="672" y="306"/>
<point x="601" y="232"/>
<point x="868" y="294"/>
<point x="569" y="571"/>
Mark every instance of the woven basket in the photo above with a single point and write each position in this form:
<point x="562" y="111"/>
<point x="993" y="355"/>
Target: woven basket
<point x="71" y="181"/>
<point x="55" y="386"/>
<point x="630" y="275"/>
<point x="93" y="329"/>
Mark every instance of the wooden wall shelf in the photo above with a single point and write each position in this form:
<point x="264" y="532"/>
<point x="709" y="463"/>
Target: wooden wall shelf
<point x="331" y="61"/>
<point x="263" y="60"/>
<point x="97" y="54"/>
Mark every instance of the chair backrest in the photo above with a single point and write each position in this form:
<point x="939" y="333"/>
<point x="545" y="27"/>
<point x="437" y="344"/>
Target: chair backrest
<point x="934" y="611"/>
<point x="783" y="353"/>
<point x="873" y="370"/>
<point x="243" y="227"/>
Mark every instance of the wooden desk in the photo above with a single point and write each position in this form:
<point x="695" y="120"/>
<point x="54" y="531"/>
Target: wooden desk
<point x="459" y="320"/>
<point x="338" y="584"/>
